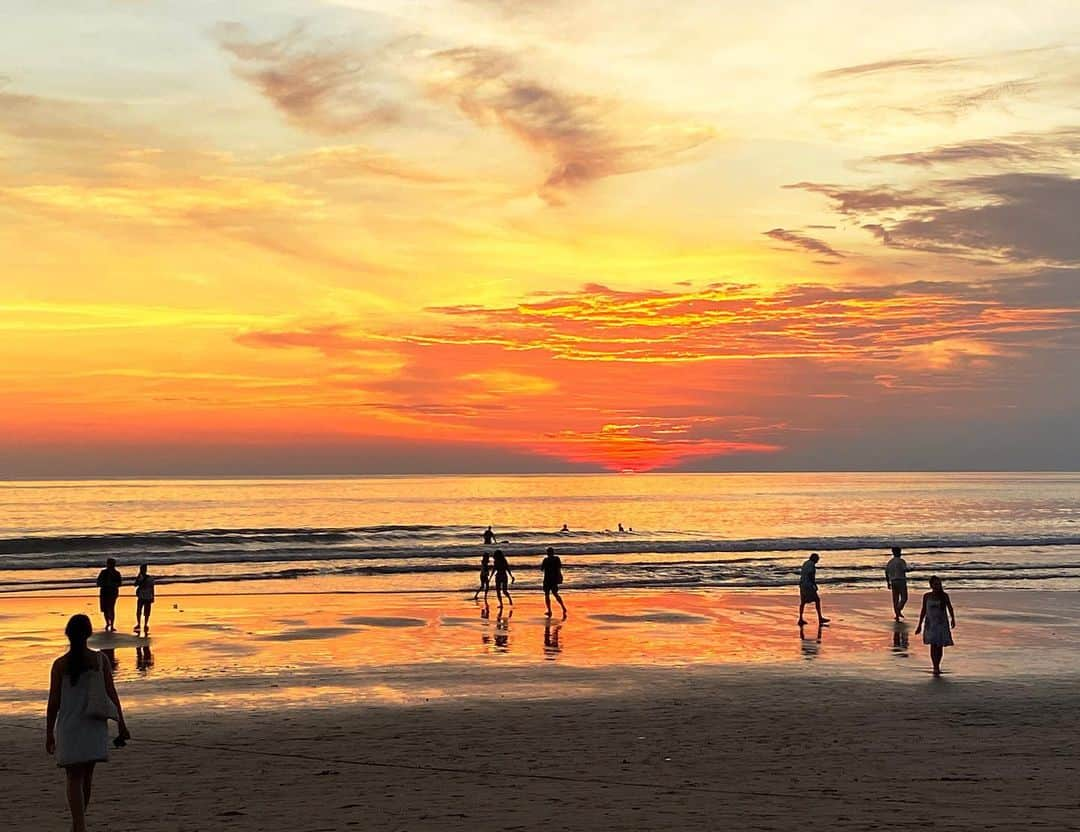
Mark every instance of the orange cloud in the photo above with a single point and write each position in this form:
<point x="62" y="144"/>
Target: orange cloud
<point x="655" y="379"/>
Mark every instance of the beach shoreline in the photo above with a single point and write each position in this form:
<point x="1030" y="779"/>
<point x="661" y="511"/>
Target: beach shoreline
<point x="652" y="709"/>
<point x="758" y="749"/>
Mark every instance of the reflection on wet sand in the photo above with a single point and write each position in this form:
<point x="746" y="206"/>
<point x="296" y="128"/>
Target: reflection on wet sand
<point x="552" y="645"/>
<point x="900" y="636"/>
<point x="110" y="654"/>
<point x="232" y="642"/>
<point x="144" y="659"/>
<point x="811" y="646"/>
<point x="502" y="632"/>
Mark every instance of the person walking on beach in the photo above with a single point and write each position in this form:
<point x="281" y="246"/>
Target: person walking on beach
<point x="896" y="580"/>
<point x="489" y="537"/>
<point x="81" y="691"/>
<point x="109" y="582"/>
<point x="144" y="597"/>
<point x="485" y="577"/>
<point x="552" y="569"/>
<point x="808" y="590"/>
<point x="934" y="620"/>
<point x="504" y="576"/>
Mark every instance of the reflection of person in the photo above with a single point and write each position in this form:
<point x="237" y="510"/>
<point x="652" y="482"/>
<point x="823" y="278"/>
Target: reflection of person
<point x="79" y="740"/>
<point x="936" y="614"/>
<point x="502" y="631"/>
<point x="896" y="579"/>
<point x="144" y="597"/>
<point x="489" y="536"/>
<point x="109" y="582"/>
<point x="810" y="647"/>
<point x="552" y="647"/>
<point x="144" y="659"/>
<point x="502" y="574"/>
<point x="808" y="590"/>
<point x="552" y="569"/>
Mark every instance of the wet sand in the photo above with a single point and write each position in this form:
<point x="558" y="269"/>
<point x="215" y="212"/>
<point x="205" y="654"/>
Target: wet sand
<point x="654" y="711"/>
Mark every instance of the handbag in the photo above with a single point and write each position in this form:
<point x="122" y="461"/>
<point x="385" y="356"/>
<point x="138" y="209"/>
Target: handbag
<point x="98" y="704"/>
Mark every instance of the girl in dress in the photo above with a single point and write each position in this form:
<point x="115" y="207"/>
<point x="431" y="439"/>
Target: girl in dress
<point x="78" y="738"/>
<point x="937" y="615"/>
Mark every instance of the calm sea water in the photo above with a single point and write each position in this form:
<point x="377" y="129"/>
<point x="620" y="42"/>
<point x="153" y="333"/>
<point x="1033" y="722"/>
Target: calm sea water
<point x="424" y="533"/>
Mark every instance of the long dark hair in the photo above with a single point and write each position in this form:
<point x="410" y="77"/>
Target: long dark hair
<point x="936" y="589"/>
<point x="500" y="559"/>
<point x="78" y="630"/>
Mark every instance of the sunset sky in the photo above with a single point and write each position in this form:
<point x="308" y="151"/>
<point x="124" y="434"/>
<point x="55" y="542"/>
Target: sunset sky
<point x="538" y="235"/>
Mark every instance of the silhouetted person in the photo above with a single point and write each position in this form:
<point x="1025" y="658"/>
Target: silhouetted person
<point x="808" y="590"/>
<point x="489" y="536"/>
<point x="144" y="599"/>
<point x="564" y="530"/>
<point x="504" y="576"/>
<point x="934" y="620"/>
<point x="621" y="529"/>
<point x="896" y="579"/>
<point x="76" y="729"/>
<point x="485" y="577"/>
<point x="109" y="582"/>
<point x="552" y="569"/>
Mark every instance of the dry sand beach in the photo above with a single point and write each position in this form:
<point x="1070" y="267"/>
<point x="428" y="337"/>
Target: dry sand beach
<point x="646" y="710"/>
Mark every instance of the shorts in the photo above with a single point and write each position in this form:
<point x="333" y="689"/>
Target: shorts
<point x="551" y="586"/>
<point x="808" y="594"/>
<point x="108" y="602"/>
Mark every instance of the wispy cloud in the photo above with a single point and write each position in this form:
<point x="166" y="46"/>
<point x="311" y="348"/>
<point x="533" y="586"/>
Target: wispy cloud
<point x="317" y="85"/>
<point x="944" y="88"/>
<point x="587" y="138"/>
<point x="1017" y="218"/>
<point x="803" y="241"/>
<point x="1047" y="148"/>
<point x="347" y="162"/>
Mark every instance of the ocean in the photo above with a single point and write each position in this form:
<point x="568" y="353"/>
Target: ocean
<point x="424" y="534"/>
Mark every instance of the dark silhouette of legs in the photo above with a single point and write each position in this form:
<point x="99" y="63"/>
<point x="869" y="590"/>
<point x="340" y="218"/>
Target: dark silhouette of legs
<point x="936" y="652"/>
<point x="558" y="598"/>
<point x="80" y="780"/>
<point x="899" y="599"/>
<point x="802" y="606"/>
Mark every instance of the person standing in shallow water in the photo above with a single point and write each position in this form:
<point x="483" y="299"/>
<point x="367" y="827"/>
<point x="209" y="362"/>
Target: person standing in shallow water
<point x="504" y="576"/>
<point x="489" y="536"/>
<point x="934" y="620"/>
<point x="896" y="579"/>
<point x="79" y="740"/>
<point x="485" y="577"/>
<point x="144" y="597"/>
<point x="109" y="582"/>
<point x="552" y="569"/>
<point x="808" y="590"/>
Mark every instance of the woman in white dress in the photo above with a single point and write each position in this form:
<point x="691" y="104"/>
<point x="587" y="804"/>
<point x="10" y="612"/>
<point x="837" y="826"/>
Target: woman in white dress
<point x="76" y="731"/>
<point x="937" y="614"/>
